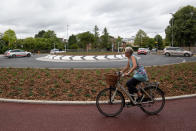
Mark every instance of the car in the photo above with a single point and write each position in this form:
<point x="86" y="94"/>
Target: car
<point x="154" y="50"/>
<point x="142" y="51"/>
<point x="54" y="51"/>
<point x="177" y="51"/>
<point x="148" y="50"/>
<point x="17" y="53"/>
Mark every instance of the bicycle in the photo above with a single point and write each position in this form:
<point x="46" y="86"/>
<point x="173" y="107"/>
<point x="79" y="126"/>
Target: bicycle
<point x="111" y="101"/>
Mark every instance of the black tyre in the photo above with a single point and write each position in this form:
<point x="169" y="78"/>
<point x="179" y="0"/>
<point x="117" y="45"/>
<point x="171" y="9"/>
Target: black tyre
<point x="13" y="56"/>
<point x="153" y="107"/>
<point x="187" y="55"/>
<point x="106" y="106"/>
<point x="28" y="55"/>
<point x="167" y="54"/>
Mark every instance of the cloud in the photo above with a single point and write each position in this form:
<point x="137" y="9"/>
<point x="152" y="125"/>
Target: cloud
<point x="124" y="17"/>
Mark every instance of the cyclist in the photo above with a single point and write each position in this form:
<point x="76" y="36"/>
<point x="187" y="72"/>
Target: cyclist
<point x="140" y="74"/>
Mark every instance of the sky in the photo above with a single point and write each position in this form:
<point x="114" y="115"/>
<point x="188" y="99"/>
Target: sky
<point x="121" y="17"/>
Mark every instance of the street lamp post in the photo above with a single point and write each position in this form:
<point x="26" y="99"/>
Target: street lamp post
<point x="172" y="29"/>
<point x="191" y="21"/>
<point x="118" y="47"/>
<point x="54" y="45"/>
<point x="140" y="40"/>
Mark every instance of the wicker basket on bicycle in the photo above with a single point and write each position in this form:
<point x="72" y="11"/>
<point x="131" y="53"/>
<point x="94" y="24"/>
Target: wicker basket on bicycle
<point x="111" y="79"/>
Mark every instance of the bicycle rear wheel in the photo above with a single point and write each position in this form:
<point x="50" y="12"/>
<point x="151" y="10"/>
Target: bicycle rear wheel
<point x="106" y="105"/>
<point x="153" y="107"/>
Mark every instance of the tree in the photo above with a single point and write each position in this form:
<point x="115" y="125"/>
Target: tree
<point x="1" y="35"/>
<point x="85" y="39"/>
<point x="151" y="43"/>
<point x="158" y="42"/>
<point x="46" y="34"/>
<point x="184" y="27"/>
<point x="72" y="41"/>
<point x="2" y="46"/>
<point x="118" y="42"/>
<point x="9" y="37"/>
<point x="105" y="40"/>
<point x="40" y="34"/>
<point x="96" y="36"/>
<point x="51" y="38"/>
<point x="141" y="36"/>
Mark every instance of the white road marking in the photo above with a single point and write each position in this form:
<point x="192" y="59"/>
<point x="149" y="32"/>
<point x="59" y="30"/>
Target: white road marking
<point x="101" y="57"/>
<point x="57" y="57"/>
<point x="89" y="57"/>
<point x="66" y="57"/>
<point x="120" y="56"/>
<point x="111" y="57"/>
<point x="77" y="58"/>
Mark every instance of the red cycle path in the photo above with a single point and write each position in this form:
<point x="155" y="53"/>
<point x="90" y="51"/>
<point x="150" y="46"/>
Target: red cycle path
<point x="177" y="115"/>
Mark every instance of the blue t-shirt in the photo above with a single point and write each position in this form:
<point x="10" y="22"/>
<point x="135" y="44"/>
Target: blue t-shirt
<point x="139" y="73"/>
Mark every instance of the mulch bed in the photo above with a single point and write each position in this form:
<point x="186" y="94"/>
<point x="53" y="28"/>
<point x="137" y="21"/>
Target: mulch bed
<point x="83" y="85"/>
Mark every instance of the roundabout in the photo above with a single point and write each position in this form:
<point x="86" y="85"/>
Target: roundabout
<point x="88" y="62"/>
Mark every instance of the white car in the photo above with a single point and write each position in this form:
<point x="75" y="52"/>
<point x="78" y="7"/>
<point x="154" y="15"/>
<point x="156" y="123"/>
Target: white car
<point x="147" y="50"/>
<point x="17" y="53"/>
<point x="54" y="51"/>
<point x="177" y="51"/>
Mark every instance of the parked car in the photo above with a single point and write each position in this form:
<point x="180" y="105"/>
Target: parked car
<point x="176" y="51"/>
<point x="142" y="51"/>
<point x="17" y="53"/>
<point x="54" y="51"/>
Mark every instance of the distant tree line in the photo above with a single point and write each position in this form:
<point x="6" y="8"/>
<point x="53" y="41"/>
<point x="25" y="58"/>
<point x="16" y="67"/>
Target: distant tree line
<point x="43" y="41"/>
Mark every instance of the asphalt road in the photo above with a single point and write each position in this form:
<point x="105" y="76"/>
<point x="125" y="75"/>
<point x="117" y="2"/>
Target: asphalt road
<point x="147" y="60"/>
<point x="177" y="115"/>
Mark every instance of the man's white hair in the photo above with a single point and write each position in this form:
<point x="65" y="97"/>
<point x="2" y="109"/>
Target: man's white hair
<point x="129" y="49"/>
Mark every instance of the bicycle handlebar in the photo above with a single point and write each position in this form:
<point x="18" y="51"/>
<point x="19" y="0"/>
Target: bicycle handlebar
<point x="120" y="74"/>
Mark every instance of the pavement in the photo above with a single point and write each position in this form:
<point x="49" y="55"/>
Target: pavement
<point x="177" y="115"/>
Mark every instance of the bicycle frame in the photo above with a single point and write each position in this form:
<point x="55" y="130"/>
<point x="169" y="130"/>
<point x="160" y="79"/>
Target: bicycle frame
<point x="118" y="85"/>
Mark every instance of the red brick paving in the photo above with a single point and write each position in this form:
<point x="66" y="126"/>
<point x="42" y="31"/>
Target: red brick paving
<point x="177" y="115"/>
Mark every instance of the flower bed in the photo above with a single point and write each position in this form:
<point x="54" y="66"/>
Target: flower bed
<point x="82" y="85"/>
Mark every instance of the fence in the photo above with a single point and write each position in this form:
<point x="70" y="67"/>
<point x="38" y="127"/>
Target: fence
<point x="192" y="49"/>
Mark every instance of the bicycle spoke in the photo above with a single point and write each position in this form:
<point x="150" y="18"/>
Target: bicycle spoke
<point x="111" y="103"/>
<point x="156" y="105"/>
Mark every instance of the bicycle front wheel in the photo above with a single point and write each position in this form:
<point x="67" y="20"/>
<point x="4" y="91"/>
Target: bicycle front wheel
<point x="110" y="102"/>
<point x="155" y="105"/>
